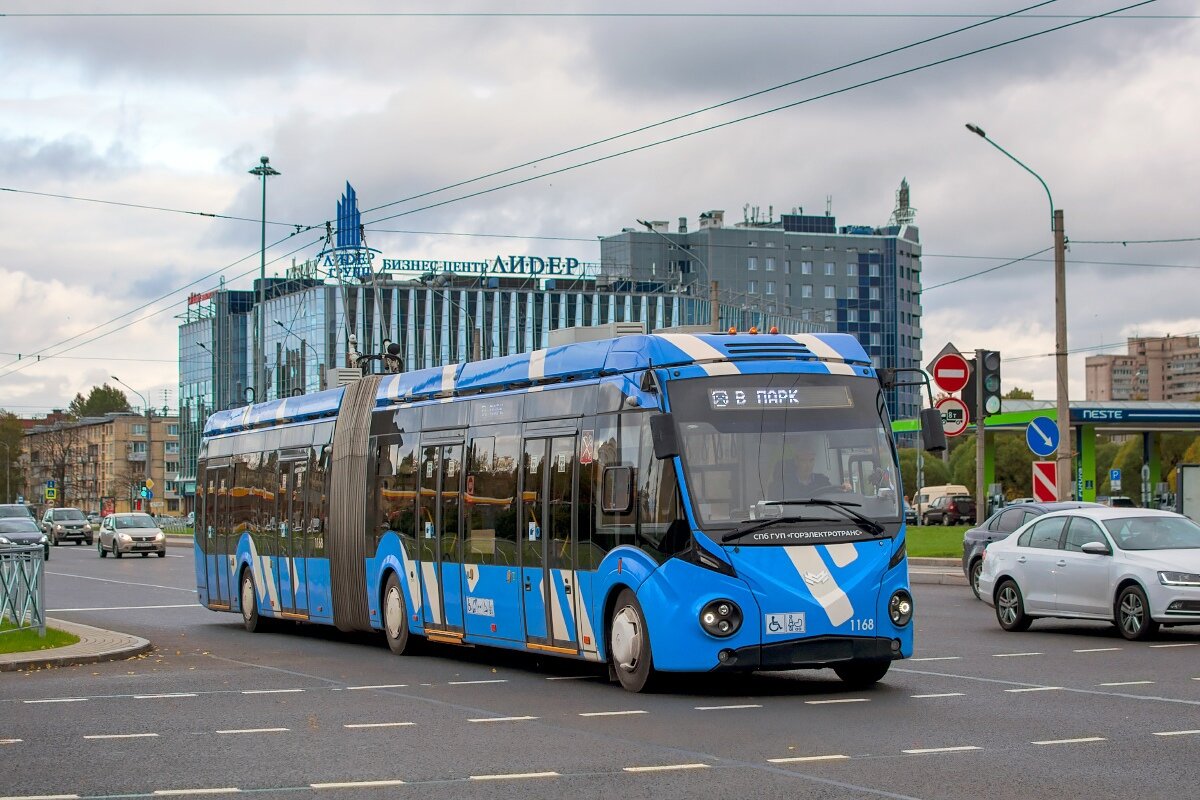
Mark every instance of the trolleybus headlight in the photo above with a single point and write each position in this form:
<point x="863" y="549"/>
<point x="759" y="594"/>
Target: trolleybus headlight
<point x="721" y="618"/>
<point x="900" y="608"/>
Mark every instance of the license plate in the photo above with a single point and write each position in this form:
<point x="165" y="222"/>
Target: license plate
<point x="786" y="624"/>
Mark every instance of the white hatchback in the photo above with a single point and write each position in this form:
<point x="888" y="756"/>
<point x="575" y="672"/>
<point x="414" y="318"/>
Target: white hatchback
<point x="1134" y="567"/>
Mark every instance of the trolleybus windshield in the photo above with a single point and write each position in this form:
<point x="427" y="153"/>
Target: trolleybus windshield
<point x="760" y="446"/>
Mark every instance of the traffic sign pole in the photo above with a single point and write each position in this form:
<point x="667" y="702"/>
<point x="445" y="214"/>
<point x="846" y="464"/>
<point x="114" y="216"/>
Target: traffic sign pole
<point x="980" y="445"/>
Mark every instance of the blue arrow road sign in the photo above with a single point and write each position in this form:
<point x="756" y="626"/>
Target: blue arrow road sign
<point x="1042" y="436"/>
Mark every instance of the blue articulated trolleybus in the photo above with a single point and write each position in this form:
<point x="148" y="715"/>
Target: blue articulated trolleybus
<point x="660" y="503"/>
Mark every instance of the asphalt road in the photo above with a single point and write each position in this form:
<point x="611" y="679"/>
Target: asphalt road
<point x="1063" y="710"/>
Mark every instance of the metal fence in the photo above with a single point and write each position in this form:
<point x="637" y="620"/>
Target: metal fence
<point x="23" y="588"/>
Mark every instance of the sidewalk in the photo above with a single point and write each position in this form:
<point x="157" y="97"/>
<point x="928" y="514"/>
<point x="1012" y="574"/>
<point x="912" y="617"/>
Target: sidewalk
<point x="947" y="571"/>
<point x="95" y="644"/>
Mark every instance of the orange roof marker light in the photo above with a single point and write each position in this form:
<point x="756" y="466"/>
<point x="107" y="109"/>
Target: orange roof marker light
<point x="732" y="329"/>
<point x="774" y="329"/>
<point x="753" y="330"/>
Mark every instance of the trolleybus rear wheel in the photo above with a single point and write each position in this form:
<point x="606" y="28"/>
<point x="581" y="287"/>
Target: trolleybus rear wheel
<point x="629" y="644"/>
<point x="395" y="617"/>
<point x="250" y="618"/>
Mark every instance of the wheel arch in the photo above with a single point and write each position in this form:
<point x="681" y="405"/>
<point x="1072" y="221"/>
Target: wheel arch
<point x="1000" y="579"/>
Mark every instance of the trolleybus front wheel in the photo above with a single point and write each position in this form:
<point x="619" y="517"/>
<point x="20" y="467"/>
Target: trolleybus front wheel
<point x="862" y="672"/>
<point x="629" y="644"/>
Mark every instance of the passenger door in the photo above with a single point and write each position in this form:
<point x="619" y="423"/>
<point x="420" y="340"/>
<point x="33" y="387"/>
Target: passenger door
<point x="438" y="532"/>
<point x="548" y="551"/>
<point x="1037" y="569"/>
<point x="291" y="569"/>
<point x="217" y="535"/>
<point x="1084" y="579"/>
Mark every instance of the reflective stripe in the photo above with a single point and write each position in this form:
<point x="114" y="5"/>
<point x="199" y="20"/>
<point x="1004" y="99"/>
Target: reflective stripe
<point x="448" y="377"/>
<point x="844" y="554"/>
<point x="831" y="597"/>
<point x="537" y="365"/>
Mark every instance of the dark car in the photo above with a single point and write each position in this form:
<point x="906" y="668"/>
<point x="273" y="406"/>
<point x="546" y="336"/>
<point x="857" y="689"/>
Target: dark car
<point x="998" y="526"/>
<point x="950" y="509"/>
<point x="17" y="510"/>
<point x="22" y="532"/>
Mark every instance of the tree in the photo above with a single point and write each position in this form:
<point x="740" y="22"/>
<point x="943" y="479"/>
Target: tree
<point x="57" y="449"/>
<point x="11" y="477"/>
<point x="100" y="401"/>
<point x="936" y="471"/>
<point x="1017" y="393"/>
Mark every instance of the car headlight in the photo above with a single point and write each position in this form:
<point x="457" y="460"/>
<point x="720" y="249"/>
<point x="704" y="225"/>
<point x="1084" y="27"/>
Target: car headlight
<point x="58" y="527"/>
<point x="87" y="526"/>
<point x="124" y="537"/>
<point x="4" y="540"/>
<point x="44" y="539"/>
<point x="1179" y="579"/>
<point x="158" y="537"/>
<point x="900" y="608"/>
<point x="721" y="618"/>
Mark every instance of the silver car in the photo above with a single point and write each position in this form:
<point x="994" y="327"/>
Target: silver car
<point x="65" y="525"/>
<point x="130" y="533"/>
<point x="1135" y="567"/>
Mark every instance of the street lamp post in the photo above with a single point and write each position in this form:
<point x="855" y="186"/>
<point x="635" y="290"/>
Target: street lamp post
<point x="149" y="424"/>
<point x="7" y="471"/>
<point x="714" y="296"/>
<point x="1062" y="404"/>
<point x="264" y="170"/>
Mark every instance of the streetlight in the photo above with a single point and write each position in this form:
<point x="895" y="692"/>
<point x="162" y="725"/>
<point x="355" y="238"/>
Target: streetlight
<point x="303" y="352"/>
<point x="149" y="423"/>
<point x="1062" y="405"/>
<point x="713" y="295"/>
<point x="264" y="170"/>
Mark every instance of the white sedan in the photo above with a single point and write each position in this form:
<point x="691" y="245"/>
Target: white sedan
<point x="1134" y="567"/>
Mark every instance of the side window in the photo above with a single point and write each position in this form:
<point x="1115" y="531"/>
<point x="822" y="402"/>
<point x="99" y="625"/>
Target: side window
<point x="1081" y="532"/>
<point x="491" y="494"/>
<point x="618" y="438"/>
<point x="1009" y="520"/>
<point x="395" y="492"/>
<point x="1046" y="533"/>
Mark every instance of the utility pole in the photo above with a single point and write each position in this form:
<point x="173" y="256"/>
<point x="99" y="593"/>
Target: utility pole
<point x="714" y="299"/>
<point x="980" y="444"/>
<point x="1062" y="404"/>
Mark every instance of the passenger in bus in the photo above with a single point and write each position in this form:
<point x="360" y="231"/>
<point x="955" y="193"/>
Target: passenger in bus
<point x="793" y="476"/>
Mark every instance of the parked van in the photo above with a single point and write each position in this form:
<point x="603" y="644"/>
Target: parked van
<point x="928" y="494"/>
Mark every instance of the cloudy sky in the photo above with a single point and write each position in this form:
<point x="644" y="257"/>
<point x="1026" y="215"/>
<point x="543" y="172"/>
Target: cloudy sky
<point x="154" y="114"/>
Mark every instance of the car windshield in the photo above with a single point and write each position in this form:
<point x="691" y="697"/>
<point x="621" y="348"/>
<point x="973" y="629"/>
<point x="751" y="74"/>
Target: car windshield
<point x="18" y="525"/>
<point x="756" y="447"/>
<point x="1154" y="533"/>
<point x="13" y="511"/>
<point x="67" y="514"/>
<point x="135" y="521"/>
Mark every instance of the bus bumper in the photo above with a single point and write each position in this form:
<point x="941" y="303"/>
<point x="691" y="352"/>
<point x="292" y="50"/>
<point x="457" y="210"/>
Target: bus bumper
<point x="812" y="653"/>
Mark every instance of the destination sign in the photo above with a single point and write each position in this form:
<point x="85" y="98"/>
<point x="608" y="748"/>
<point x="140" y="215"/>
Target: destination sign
<point x="767" y="398"/>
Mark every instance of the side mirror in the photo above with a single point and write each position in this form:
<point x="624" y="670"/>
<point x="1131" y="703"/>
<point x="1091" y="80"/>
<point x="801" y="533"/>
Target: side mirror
<point x="933" y="435"/>
<point x="1096" y="549"/>
<point x="662" y="433"/>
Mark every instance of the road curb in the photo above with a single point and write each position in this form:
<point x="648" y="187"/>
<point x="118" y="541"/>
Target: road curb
<point x="937" y="576"/>
<point x="94" y="645"/>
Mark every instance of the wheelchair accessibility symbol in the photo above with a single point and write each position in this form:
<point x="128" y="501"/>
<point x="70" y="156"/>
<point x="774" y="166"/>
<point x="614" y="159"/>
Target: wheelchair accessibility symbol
<point x="784" y="624"/>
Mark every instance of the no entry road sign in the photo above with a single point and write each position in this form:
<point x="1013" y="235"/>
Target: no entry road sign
<point x="951" y="372"/>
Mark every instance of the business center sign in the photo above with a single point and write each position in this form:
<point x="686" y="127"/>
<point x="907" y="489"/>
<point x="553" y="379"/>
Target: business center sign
<point x="525" y="266"/>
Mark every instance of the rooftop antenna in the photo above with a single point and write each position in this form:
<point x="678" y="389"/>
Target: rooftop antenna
<point x="904" y="213"/>
<point x="828" y="205"/>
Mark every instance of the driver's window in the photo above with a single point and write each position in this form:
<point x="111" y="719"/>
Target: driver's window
<point x="1080" y="533"/>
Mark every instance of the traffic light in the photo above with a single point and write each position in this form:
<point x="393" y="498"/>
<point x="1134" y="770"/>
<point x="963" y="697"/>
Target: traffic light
<point x="985" y="372"/>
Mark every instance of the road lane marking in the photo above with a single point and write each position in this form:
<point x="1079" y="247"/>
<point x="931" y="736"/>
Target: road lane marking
<point x="122" y="736"/>
<point x="611" y="713"/>
<point x="379" y="724"/>
<point x="727" y="708"/>
<point x="255" y="730"/>
<point x="1015" y="655"/>
<point x="1177" y="644"/>
<point x="499" y="719"/>
<point x="1176" y="733"/>
<point x="163" y="696"/>
<point x="514" y="776"/>
<point x="937" y="658"/>
<point x="664" y="767"/>
<point x="1080" y="740"/>
<point x="192" y="590"/>
<point x="570" y="677"/>
<point x="58" y="700"/>
<point x="472" y="683"/>
<point x="842" y="700"/>
<point x="42" y="797"/>
<point x="943" y="694"/>
<point x="355" y="784"/>
<point x="379" y="686"/>
<point x="1096" y="650"/>
<point x="271" y="691"/>
<point x="11" y="741"/>
<point x="803" y="759"/>
<point x="957" y="749"/>
<point x="1126" y="683"/>
<point x="1035" y="689"/>
<point x="127" y="608"/>
<point x="185" y="792"/>
<point x="997" y="681"/>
